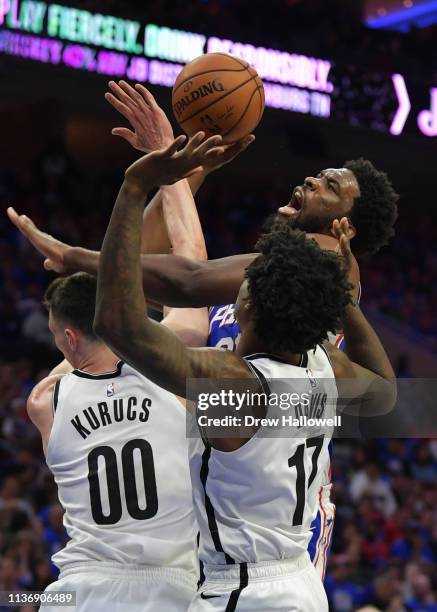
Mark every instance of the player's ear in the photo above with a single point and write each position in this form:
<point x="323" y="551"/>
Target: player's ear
<point x="71" y="337"/>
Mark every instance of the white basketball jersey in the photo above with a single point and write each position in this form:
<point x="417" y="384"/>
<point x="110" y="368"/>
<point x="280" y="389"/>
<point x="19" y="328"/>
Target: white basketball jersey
<point x="118" y="452"/>
<point x="257" y="503"/>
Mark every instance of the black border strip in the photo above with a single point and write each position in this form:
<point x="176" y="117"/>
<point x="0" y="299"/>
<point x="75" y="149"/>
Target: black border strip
<point x="56" y="395"/>
<point x="244" y="581"/>
<point x="302" y="363"/>
<point x="326" y="353"/>
<point x="212" y="523"/>
<point x="106" y="376"/>
<point x="262" y="379"/>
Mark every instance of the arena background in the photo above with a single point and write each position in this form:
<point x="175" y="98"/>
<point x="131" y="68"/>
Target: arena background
<point x="60" y="165"/>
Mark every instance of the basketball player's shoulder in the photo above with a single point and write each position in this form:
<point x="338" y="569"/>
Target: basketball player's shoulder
<point x="213" y="362"/>
<point x="341" y="365"/>
<point x="40" y="401"/>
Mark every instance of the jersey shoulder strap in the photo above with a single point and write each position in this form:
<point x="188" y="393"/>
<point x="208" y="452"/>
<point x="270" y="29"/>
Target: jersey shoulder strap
<point x="56" y="394"/>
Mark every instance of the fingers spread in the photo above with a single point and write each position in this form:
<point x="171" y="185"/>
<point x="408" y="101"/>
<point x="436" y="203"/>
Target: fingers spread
<point x="214" y="153"/>
<point x="126" y="134"/>
<point x="175" y="145"/>
<point x="12" y="214"/>
<point x="344" y="224"/>
<point x="119" y="106"/>
<point x="209" y="144"/>
<point x="124" y="95"/>
<point x="248" y="140"/>
<point x="146" y="95"/>
<point x="194" y="142"/>
<point x="131" y="92"/>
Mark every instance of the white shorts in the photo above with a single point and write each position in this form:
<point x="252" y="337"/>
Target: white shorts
<point x="104" y="587"/>
<point x="285" y="586"/>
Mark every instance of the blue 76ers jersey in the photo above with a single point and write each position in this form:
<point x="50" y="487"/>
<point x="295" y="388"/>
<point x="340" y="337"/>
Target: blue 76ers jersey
<point x="224" y="331"/>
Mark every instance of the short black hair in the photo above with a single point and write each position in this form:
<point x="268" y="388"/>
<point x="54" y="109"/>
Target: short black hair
<point x="297" y="290"/>
<point x="72" y="299"/>
<point x="375" y="211"/>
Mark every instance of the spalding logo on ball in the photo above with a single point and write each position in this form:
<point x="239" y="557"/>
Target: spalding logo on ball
<point x="218" y="94"/>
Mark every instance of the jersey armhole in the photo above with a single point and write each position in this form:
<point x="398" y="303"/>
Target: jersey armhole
<point x="260" y="376"/>
<point x="56" y="395"/>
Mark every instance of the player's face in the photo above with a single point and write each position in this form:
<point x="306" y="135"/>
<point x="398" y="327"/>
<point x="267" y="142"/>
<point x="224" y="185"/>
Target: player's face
<point x="315" y="204"/>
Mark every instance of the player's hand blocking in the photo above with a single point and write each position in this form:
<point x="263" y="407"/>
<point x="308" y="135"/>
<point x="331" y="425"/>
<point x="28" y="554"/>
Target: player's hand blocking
<point x="52" y="249"/>
<point x="152" y="130"/>
<point x="174" y="163"/>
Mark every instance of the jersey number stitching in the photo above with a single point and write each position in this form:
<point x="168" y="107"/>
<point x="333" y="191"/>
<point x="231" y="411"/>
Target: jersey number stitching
<point x="130" y="487"/>
<point x="297" y="460"/>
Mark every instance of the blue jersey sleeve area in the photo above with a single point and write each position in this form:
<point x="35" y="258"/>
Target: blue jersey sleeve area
<point x="224" y="331"/>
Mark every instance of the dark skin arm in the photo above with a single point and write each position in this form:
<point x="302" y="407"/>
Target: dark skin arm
<point x="168" y="279"/>
<point x="364" y="364"/>
<point x="172" y="280"/>
<point x="178" y="281"/>
<point x="149" y="347"/>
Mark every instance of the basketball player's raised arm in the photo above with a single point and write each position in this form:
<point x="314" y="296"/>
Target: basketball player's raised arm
<point x="149" y="347"/>
<point x="186" y="237"/>
<point x="152" y="131"/>
<point x="364" y="364"/>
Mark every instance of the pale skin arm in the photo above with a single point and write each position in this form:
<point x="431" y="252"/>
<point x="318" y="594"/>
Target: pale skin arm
<point x="40" y="407"/>
<point x="185" y="232"/>
<point x="170" y="221"/>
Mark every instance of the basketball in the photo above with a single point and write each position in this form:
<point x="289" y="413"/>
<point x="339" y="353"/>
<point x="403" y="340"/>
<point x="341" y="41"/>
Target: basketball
<point x="218" y="94"/>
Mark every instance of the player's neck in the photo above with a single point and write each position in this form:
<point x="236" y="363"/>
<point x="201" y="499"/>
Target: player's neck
<point x="96" y="358"/>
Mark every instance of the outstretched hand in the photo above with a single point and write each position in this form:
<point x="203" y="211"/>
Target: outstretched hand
<point x="174" y="163"/>
<point x="53" y="250"/>
<point x="152" y="130"/>
<point x="229" y="153"/>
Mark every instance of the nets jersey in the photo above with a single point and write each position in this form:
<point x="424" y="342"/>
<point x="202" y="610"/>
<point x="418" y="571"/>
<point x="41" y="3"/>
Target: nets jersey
<point x="224" y="332"/>
<point x="257" y="503"/>
<point x="119" y="455"/>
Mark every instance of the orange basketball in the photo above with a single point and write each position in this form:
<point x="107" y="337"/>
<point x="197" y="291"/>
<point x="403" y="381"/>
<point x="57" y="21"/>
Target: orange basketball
<point x="218" y="94"/>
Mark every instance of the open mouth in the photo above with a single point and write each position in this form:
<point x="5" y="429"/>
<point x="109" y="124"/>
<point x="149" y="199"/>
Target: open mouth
<point x="295" y="204"/>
